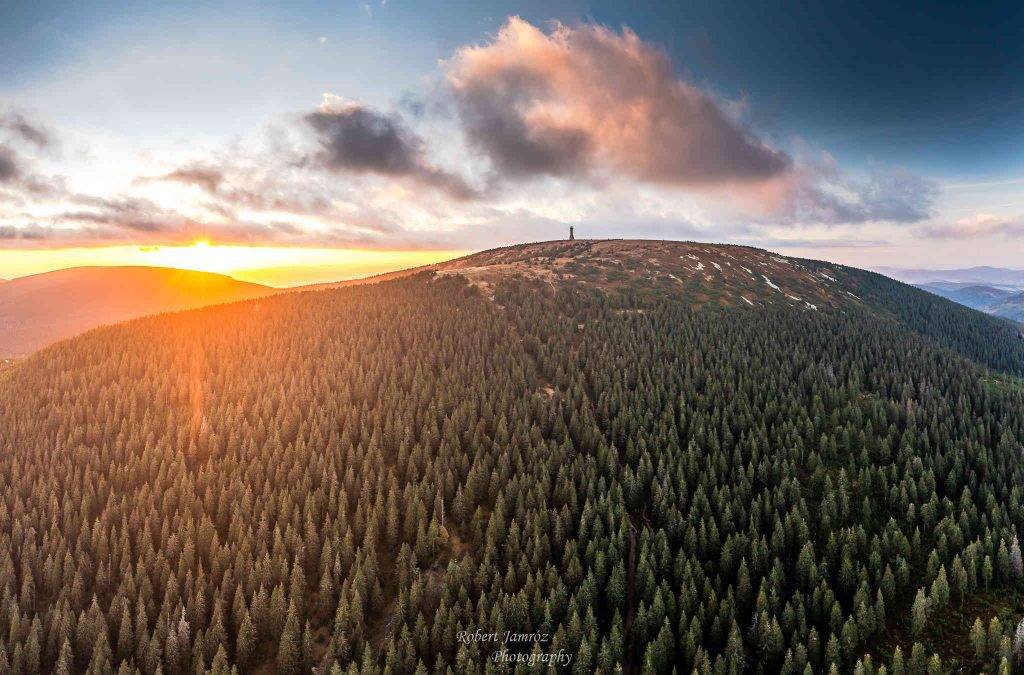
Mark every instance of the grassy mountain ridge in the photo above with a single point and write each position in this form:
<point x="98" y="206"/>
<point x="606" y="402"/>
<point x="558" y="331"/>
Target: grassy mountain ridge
<point x="746" y="277"/>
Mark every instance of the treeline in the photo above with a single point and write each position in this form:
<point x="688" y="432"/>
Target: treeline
<point x="354" y="480"/>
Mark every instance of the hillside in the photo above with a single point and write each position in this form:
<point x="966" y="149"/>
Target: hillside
<point x="631" y="459"/>
<point x="42" y="308"/>
<point x="1009" y="307"/>
<point x="717" y="275"/>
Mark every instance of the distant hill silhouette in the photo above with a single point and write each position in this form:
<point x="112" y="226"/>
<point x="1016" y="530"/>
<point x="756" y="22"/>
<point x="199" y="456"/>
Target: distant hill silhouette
<point x="42" y="308"/>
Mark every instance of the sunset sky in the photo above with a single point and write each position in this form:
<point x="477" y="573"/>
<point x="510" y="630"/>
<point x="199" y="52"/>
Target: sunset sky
<point x="292" y="142"/>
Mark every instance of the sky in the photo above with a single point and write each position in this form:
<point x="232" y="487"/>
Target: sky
<point x="294" y="142"/>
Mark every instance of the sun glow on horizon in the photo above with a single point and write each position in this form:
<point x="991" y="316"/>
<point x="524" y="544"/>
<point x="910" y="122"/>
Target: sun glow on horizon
<point x="271" y="265"/>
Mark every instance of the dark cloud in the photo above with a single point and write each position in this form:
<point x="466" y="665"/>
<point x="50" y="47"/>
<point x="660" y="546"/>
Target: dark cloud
<point x="127" y="213"/>
<point x="25" y="130"/>
<point x="206" y="177"/>
<point x="28" y="233"/>
<point x="19" y="178"/>
<point x="8" y="165"/>
<point x="516" y="149"/>
<point x="357" y="139"/>
<point x="18" y="183"/>
<point x="235" y="188"/>
<point x="586" y="98"/>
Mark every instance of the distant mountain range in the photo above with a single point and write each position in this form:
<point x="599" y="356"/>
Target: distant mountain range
<point x="983" y="275"/>
<point x="994" y="290"/>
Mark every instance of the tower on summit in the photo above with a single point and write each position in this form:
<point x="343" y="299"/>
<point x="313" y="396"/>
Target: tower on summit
<point x="571" y="235"/>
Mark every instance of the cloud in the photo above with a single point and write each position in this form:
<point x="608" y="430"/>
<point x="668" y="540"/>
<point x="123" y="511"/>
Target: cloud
<point x="313" y="220"/>
<point x="21" y="145"/>
<point x="235" y="187"/>
<point x="356" y="139"/>
<point x="978" y="226"/>
<point x="28" y="233"/>
<point x="589" y="103"/>
<point x="584" y="99"/>
<point x="776" y="243"/>
<point x="24" y="130"/>
<point x="206" y="177"/>
<point x="637" y="148"/>
<point x="18" y="182"/>
<point x="8" y="165"/>
<point x="820" y="193"/>
<point x="135" y="215"/>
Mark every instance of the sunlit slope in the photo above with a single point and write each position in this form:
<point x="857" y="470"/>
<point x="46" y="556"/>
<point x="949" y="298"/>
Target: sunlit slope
<point x="350" y="477"/>
<point x="40" y="309"/>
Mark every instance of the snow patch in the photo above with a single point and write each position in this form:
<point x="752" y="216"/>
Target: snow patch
<point x="747" y="301"/>
<point x="769" y="282"/>
<point x="814" y="307"/>
<point x="717" y="266"/>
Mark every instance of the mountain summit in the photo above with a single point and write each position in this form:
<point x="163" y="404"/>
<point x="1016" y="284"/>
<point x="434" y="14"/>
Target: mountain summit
<point x="725" y="274"/>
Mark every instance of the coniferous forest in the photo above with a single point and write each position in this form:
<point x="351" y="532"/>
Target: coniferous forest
<point x="414" y="477"/>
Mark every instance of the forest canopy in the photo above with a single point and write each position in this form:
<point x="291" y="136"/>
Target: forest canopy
<point x="356" y="480"/>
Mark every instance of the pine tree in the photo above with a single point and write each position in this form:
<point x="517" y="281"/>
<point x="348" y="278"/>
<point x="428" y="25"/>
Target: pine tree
<point x="978" y="639"/>
<point x="245" y="642"/>
<point x="289" y="655"/>
<point x="66" y="660"/>
<point x="919" y="613"/>
<point x="939" y="595"/>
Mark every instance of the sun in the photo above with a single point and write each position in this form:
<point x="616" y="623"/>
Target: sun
<point x="202" y="255"/>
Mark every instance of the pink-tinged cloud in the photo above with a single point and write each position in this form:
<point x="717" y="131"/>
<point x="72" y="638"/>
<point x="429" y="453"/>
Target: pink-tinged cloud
<point x="583" y="99"/>
<point x="978" y="226"/>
